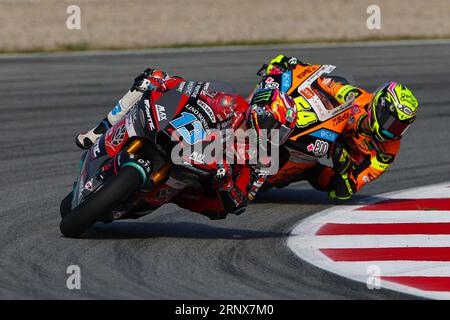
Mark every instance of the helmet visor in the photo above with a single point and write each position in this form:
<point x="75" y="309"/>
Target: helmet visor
<point x="267" y="124"/>
<point x="390" y="126"/>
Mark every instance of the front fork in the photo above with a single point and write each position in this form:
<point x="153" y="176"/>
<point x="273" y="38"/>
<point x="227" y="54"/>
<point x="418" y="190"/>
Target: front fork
<point x="130" y="157"/>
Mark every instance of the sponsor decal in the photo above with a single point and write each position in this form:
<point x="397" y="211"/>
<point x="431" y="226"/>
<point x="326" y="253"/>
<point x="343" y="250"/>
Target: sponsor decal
<point x="96" y="149"/>
<point x="197" y="90"/>
<point x="325" y="134"/>
<point x="264" y="96"/>
<point x="347" y="105"/>
<point x="89" y="184"/>
<point x="406" y="110"/>
<point x="148" y="114"/>
<point x="305" y="73"/>
<point x="272" y="85"/>
<point x="145" y="164"/>
<point x="199" y="116"/>
<point x="189" y="87"/>
<point x="408" y="98"/>
<point x="340" y="118"/>
<point x="197" y="157"/>
<point x="205" y="91"/>
<point x="286" y="81"/>
<point x="206" y="86"/>
<point x="198" y="132"/>
<point x="307" y="93"/>
<point x="205" y="107"/>
<point x="319" y="148"/>
<point x="181" y="86"/>
<point x="160" y="112"/>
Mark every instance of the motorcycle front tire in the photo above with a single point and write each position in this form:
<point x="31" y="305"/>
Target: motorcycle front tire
<point x="101" y="203"/>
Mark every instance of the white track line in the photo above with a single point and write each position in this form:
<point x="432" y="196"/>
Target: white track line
<point x="399" y="268"/>
<point x="388" y="217"/>
<point x="306" y="244"/>
<point x="230" y="48"/>
<point x="371" y="241"/>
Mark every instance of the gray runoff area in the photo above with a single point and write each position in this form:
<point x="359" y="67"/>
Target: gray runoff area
<point x="175" y="254"/>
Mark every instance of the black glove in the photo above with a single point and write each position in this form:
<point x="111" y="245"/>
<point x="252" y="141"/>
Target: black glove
<point x="287" y="63"/>
<point x="342" y="186"/>
<point x="141" y="81"/>
<point x="223" y="180"/>
<point x="233" y="200"/>
<point x="341" y="159"/>
<point x="281" y="62"/>
<point x="150" y="79"/>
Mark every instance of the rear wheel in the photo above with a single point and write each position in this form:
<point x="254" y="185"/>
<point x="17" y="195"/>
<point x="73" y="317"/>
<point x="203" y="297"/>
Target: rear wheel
<point x="101" y="203"/>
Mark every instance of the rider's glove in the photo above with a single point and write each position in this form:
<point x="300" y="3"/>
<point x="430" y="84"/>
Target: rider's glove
<point x="341" y="159"/>
<point x="278" y="65"/>
<point x="223" y="181"/>
<point x="342" y="185"/>
<point x="233" y="199"/>
<point x="150" y="79"/>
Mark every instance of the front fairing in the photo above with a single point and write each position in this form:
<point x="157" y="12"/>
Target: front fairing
<point x="321" y="119"/>
<point x="87" y="181"/>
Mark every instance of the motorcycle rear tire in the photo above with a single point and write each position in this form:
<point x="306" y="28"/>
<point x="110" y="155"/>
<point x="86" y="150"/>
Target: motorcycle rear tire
<point x="101" y="203"/>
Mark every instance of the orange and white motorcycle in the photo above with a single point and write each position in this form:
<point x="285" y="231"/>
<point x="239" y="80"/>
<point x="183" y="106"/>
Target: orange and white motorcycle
<point x="321" y="119"/>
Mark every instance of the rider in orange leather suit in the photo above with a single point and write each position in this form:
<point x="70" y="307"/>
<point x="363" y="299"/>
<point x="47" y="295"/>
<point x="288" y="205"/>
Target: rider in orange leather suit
<point x="371" y="139"/>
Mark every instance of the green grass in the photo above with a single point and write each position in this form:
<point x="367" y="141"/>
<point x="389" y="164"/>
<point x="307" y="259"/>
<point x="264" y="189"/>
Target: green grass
<point x="83" y="46"/>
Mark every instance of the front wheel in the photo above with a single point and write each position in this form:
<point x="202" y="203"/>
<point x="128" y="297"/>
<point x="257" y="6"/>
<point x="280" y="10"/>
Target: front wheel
<point x="66" y="205"/>
<point x="102" y="202"/>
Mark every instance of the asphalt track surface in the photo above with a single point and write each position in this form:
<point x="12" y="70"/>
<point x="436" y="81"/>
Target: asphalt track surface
<point x="173" y="253"/>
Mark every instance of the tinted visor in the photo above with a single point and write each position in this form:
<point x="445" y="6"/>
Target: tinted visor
<point x="390" y="126"/>
<point x="267" y="124"/>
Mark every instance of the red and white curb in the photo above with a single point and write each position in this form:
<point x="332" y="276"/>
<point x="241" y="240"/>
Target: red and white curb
<point x="400" y="241"/>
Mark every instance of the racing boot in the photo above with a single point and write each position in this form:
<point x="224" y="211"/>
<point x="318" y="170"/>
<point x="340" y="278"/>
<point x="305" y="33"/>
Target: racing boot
<point x="150" y="79"/>
<point x="86" y="139"/>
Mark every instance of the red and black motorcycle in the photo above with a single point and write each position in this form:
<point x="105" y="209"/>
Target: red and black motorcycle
<point x="130" y="169"/>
